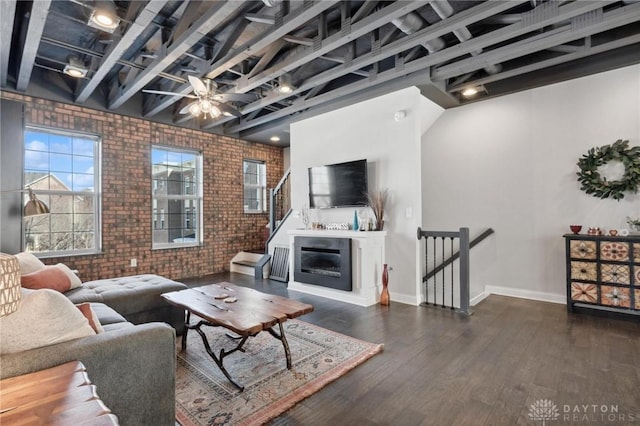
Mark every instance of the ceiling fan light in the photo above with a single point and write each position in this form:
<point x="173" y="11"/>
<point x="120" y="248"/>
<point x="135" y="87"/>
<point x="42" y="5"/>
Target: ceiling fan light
<point x="205" y="106"/>
<point x="215" y="111"/>
<point x="194" y="109"/>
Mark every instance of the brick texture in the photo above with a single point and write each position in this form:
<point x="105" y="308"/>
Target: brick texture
<point x="126" y="192"/>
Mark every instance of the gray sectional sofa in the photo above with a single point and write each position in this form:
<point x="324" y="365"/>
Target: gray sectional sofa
<point x="132" y="365"/>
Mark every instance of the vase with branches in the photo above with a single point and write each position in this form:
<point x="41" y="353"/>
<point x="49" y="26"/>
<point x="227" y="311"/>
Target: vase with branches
<point x="378" y="201"/>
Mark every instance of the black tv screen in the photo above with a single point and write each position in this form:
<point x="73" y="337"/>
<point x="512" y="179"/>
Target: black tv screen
<point x="338" y="185"/>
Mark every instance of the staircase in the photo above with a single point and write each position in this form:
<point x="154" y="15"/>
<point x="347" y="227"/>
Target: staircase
<point x="276" y="266"/>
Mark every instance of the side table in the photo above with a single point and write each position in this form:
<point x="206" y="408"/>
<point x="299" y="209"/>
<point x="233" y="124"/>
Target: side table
<point x="61" y="395"/>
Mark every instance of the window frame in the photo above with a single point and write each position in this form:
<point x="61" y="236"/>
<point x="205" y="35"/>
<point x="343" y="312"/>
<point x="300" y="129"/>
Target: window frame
<point x="263" y="193"/>
<point x="96" y="194"/>
<point x="198" y="197"/>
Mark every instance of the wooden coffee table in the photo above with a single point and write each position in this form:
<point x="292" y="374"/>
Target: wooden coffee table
<point x="250" y="314"/>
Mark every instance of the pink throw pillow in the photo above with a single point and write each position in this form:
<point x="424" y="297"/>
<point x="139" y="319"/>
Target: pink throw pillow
<point x="49" y="277"/>
<point x="88" y="313"/>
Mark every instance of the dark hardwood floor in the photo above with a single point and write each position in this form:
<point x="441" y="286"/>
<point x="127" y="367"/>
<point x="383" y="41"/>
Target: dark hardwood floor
<point x="439" y="368"/>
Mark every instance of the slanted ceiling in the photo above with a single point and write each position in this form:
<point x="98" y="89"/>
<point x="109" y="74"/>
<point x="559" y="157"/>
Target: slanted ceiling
<point x="336" y="52"/>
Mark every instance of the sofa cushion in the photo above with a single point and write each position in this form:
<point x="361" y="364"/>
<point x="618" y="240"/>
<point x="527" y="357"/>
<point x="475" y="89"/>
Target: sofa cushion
<point x="45" y="317"/>
<point x="106" y="315"/>
<point x="127" y="295"/>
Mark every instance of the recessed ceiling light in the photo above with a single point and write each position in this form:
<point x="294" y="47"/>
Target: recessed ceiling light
<point x="469" y="91"/>
<point x="274" y="138"/>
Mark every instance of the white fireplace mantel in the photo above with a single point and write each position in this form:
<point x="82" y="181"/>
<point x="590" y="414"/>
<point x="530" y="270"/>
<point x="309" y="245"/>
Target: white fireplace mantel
<point x="367" y="260"/>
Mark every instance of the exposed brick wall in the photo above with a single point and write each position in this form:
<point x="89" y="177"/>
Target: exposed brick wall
<point x="126" y="197"/>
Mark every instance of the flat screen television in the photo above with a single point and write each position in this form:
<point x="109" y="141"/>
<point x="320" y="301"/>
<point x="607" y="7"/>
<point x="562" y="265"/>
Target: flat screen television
<point x="338" y="185"/>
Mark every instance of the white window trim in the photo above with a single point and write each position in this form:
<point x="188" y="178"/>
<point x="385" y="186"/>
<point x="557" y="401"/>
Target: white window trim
<point x="198" y="198"/>
<point x="97" y="192"/>
<point x="263" y="193"/>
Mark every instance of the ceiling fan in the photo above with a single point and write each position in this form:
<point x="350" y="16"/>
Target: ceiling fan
<point x="206" y="100"/>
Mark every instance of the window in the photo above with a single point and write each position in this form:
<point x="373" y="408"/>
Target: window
<point x="255" y="186"/>
<point x="177" y="197"/>
<point x="63" y="170"/>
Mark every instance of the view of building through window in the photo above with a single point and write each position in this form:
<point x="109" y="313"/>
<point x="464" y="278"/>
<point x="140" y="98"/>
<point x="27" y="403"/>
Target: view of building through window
<point x="255" y="186"/>
<point x="177" y="197"/>
<point x="62" y="170"/>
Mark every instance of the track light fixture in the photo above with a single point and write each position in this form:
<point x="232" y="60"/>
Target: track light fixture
<point x="104" y="16"/>
<point x="285" y="85"/>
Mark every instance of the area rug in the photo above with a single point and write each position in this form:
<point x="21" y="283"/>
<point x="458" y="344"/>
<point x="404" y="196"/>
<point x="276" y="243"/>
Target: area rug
<point x="205" y="397"/>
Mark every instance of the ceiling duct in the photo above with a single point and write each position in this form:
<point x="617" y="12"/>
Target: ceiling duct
<point x="411" y="23"/>
<point x="444" y="10"/>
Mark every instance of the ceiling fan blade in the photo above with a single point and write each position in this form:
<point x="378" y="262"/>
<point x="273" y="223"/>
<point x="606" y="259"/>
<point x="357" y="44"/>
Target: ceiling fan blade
<point x="160" y="92"/>
<point x="185" y="109"/>
<point x="229" y="109"/>
<point x="235" y="97"/>
<point x="199" y="88"/>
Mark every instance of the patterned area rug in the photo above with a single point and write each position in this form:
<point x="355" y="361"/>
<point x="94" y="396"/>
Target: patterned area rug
<point x="205" y="397"/>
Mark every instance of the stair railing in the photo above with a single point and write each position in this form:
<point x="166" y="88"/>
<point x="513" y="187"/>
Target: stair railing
<point x="279" y="205"/>
<point x="436" y="246"/>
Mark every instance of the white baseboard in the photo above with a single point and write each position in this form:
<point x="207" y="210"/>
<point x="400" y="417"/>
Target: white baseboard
<point x="520" y="293"/>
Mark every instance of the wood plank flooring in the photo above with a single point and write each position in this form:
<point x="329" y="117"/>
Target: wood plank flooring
<point x="439" y="368"/>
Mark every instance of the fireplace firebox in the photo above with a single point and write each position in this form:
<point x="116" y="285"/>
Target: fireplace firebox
<point x="323" y="261"/>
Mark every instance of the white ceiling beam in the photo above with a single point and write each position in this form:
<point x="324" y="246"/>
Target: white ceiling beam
<point x="438" y="29"/>
<point x="332" y="42"/>
<point x="218" y="13"/>
<point x="291" y="22"/>
<point x="582" y="52"/>
<point x="600" y="21"/>
<point x="116" y="50"/>
<point x="37" y="20"/>
<point x="7" y="14"/>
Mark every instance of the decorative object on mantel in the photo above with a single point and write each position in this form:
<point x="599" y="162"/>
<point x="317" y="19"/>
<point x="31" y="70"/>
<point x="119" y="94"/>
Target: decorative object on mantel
<point x="634" y="224"/>
<point x="594" y="231"/>
<point x="384" y="296"/>
<point x="304" y="213"/>
<point x="356" y="226"/>
<point x="377" y="202"/>
<point x="598" y="186"/>
<point x="575" y="228"/>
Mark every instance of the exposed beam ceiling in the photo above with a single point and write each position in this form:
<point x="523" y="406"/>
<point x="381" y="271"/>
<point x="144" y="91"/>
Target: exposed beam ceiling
<point x="334" y="53"/>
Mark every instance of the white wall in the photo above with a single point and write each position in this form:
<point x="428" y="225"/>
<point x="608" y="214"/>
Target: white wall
<point x="510" y="164"/>
<point x="392" y="149"/>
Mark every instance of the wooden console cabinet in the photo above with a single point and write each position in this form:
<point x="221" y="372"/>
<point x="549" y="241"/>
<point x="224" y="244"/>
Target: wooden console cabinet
<point x="603" y="272"/>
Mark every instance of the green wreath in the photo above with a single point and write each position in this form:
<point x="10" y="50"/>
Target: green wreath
<point x="598" y="186"/>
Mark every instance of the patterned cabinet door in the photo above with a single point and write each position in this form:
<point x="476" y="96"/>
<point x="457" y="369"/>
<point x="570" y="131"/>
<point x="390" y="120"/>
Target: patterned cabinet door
<point x="615" y="273"/>
<point x="636" y="253"/>
<point x="613" y="250"/>
<point x="616" y="296"/>
<point x="582" y="249"/>
<point x="582" y="292"/>
<point x="583" y="271"/>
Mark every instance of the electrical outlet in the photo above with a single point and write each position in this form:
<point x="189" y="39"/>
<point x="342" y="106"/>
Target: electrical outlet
<point x="134" y="263"/>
